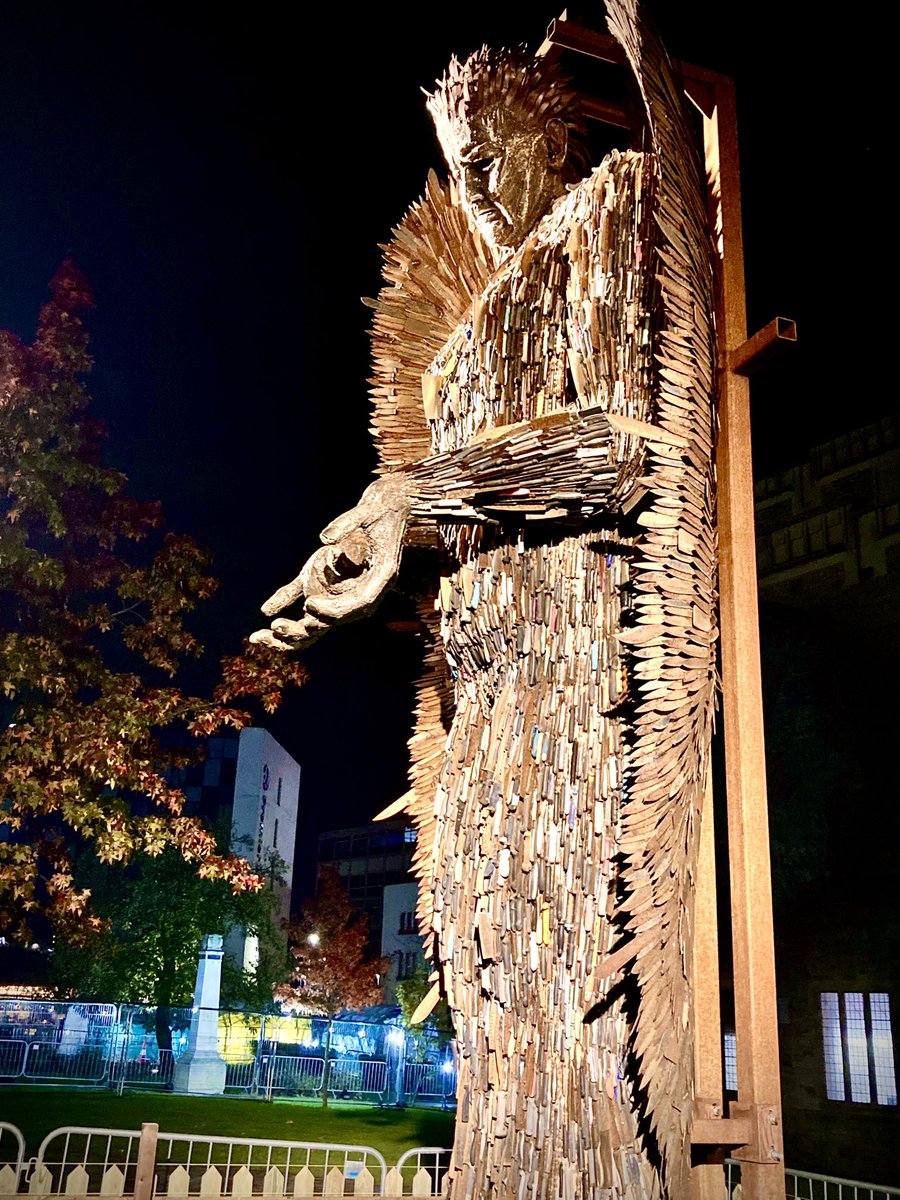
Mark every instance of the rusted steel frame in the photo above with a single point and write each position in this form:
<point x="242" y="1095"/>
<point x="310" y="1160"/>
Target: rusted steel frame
<point x="570" y="35"/>
<point x="756" y="1025"/>
<point x="755" y="1122"/>
<point x="759" y="349"/>
<point x="707" y="1129"/>
<point x="563" y="34"/>
<point x="601" y="110"/>
<point x="720" y="1131"/>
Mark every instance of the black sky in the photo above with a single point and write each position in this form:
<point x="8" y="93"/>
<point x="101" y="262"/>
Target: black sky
<point x="224" y="177"/>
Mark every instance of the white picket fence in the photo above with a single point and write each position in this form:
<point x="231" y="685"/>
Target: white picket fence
<point x="77" y="1161"/>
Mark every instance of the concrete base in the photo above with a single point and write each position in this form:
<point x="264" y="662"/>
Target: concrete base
<point x="203" y="1076"/>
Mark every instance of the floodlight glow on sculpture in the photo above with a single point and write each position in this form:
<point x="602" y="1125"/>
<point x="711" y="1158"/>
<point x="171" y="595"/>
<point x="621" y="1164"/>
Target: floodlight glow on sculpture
<point x="543" y="376"/>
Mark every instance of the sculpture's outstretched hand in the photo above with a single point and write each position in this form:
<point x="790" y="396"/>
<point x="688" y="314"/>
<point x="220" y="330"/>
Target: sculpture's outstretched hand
<point x="348" y="574"/>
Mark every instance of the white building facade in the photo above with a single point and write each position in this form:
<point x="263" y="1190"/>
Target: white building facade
<point x="264" y="824"/>
<point x="400" y="940"/>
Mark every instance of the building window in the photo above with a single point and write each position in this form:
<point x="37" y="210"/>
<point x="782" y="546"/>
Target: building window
<point x="409" y="834"/>
<point x="729" y="1058"/>
<point x="408" y="922"/>
<point x="858" y="1048"/>
<point x="275" y="835"/>
<point x="406" y="964"/>
<point x="278" y="796"/>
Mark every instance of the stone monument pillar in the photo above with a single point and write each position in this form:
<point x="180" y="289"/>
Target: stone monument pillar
<point x="201" y="1068"/>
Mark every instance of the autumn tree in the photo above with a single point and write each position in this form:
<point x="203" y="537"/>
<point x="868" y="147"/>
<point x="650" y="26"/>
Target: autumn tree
<point x="93" y="605"/>
<point x="333" y="969"/>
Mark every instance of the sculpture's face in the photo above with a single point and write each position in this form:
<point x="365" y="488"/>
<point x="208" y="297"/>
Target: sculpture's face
<point x="508" y="166"/>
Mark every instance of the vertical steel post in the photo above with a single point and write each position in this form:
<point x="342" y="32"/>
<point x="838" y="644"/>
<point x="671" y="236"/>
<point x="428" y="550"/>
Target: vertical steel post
<point x="707" y="1179"/>
<point x="123" y="1056"/>
<point x="257" y="1058"/>
<point x="756" y="1025"/>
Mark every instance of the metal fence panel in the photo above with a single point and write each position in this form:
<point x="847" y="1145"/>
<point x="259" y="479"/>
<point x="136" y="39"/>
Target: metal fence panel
<point x="13" y="1052"/>
<point x="348" y="1075"/>
<point x="50" y="1062"/>
<point x="430" y="1079"/>
<point x="193" y="1157"/>
<point x="148" y="1071"/>
<point x="294" y="1075"/>
<point x="433" y="1159"/>
<point x="82" y="1158"/>
<point x="118" y="1045"/>
<point x="94" y="1151"/>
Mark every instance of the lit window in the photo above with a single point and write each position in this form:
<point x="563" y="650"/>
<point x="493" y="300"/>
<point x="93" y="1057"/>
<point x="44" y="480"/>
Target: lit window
<point x="409" y="834"/>
<point x="883" y="1048"/>
<point x="729" y="1055"/>
<point x="858" y="1048"/>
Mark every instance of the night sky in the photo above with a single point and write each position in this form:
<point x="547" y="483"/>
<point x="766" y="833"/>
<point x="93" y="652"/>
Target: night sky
<point x="224" y="179"/>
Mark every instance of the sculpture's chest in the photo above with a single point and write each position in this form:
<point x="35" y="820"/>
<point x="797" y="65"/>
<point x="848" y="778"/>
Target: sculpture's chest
<point x="507" y="361"/>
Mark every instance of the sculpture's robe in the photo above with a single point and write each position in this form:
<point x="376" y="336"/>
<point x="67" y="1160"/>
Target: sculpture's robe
<point x="561" y="741"/>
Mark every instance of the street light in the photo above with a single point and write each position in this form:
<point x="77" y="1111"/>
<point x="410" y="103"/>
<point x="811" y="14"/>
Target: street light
<point x="314" y="939"/>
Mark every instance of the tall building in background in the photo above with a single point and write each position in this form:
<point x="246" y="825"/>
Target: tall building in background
<point x="400" y="939"/>
<point x="264" y="825"/>
<point x="828" y="532"/>
<point x="248" y="786"/>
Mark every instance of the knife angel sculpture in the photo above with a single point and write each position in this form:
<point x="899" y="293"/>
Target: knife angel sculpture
<point x="543" y="413"/>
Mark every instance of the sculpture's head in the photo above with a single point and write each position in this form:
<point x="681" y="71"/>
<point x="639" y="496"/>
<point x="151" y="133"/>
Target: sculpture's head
<point x="513" y="137"/>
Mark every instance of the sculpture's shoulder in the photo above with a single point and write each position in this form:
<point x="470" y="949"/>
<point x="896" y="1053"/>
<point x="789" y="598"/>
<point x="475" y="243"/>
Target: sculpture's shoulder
<point x="618" y="187"/>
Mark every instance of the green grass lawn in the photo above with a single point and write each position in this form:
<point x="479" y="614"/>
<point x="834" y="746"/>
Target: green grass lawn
<point x="37" y="1110"/>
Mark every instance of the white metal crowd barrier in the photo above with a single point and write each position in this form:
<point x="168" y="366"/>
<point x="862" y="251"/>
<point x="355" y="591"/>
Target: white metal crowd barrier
<point x="49" y="1062"/>
<point x="802" y="1185"/>
<point x="82" y="1161"/>
<point x="12" y="1158"/>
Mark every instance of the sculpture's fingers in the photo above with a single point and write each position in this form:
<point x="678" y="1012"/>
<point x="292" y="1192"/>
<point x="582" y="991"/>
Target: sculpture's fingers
<point x="265" y="637"/>
<point x="343" y="526"/>
<point x="304" y="630"/>
<point x="285" y="596"/>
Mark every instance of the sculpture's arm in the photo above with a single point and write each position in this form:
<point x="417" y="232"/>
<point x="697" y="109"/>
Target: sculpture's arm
<point x="572" y="463"/>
